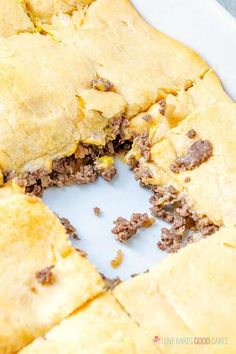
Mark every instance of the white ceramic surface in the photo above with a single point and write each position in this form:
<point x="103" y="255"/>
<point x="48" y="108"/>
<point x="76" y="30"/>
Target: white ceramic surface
<point x="206" y="27"/>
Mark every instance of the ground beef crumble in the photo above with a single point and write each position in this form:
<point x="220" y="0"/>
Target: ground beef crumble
<point x="70" y="229"/>
<point x="107" y="173"/>
<point x="142" y="174"/>
<point x="191" y="134"/>
<point x="200" y="151"/>
<point x="125" y="229"/>
<point x="118" y="131"/>
<point x="110" y="284"/>
<point x="79" y="168"/>
<point x="162" y="109"/>
<point x="143" y="143"/>
<point x="147" y="117"/>
<point x="81" y="253"/>
<point x="172" y="207"/>
<point x="96" y="211"/>
<point x="45" y="276"/>
<point x="102" y="84"/>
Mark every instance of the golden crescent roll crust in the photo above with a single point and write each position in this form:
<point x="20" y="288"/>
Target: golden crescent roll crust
<point x="101" y="327"/>
<point x="43" y="10"/>
<point x="204" y="92"/>
<point x="33" y="239"/>
<point x="46" y="99"/>
<point x="38" y="97"/>
<point x="140" y="62"/>
<point x="13" y="18"/>
<point x="191" y="294"/>
<point x="216" y="124"/>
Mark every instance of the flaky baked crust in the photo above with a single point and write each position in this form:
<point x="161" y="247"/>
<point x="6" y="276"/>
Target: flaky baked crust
<point x="190" y="295"/>
<point x="50" y="103"/>
<point x="101" y="327"/>
<point x="43" y="279"/>
<point x="13" y="18"/>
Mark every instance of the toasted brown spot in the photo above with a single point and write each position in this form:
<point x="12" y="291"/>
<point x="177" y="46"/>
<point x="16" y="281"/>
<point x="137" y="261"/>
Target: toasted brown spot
<point x="200" y="151"/>
<point x="125" y="229"/>
<point x="45" y="276"/>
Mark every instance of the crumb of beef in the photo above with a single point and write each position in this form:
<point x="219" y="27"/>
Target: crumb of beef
<point x="162" y="199"/>
<point x="102" y="84"/>
<point x="191" y="133"/>
<point x="96" y="211"/>
<point x="172" y="207"/>
<point x="85" y="175"/>
<point x="82" y="151"/>
<point x="187" y="180"/>
<point x="35" y="189"/>
<point x="81" y="252"/>
<point x="141" y="174"/>
<point x="200" y="151"/>
<point x="45" y="276"/>
<point x="162" y="104"/>
<point x="125" y="229"/>
<point x="118" y="128"/>
<point x="143" y="143"/>
<point x="206" y="227"/>
<point x="70" y="229"/>
<point x="139" y="220"/>
<point x="107" y="173"/>
<point x="132" y="162"/>
<point x="136" y="274"/>
<point x="110" y="284"/>
<point x="170" y="240"/>
<point x="116" y="262"/>
<point x="147" y="117"/>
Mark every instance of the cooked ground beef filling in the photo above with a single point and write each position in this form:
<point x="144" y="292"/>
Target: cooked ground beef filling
<point x="200" y="151"/>
<point x="125" y="229"/>
<point x="97" y="211"/>
<point x="162" y="109"/>
<point x="79" y="168"/>
<point x="143" y="143"/>
<point x="172" y="207"/>
<point x="102" y="84"/>
<point x="45" y="276"/>
<point x="110" y="284"/>
<point x="70" y="229"/>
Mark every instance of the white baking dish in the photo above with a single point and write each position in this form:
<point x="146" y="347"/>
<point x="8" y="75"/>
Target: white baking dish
<point x="206" y="27"/>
